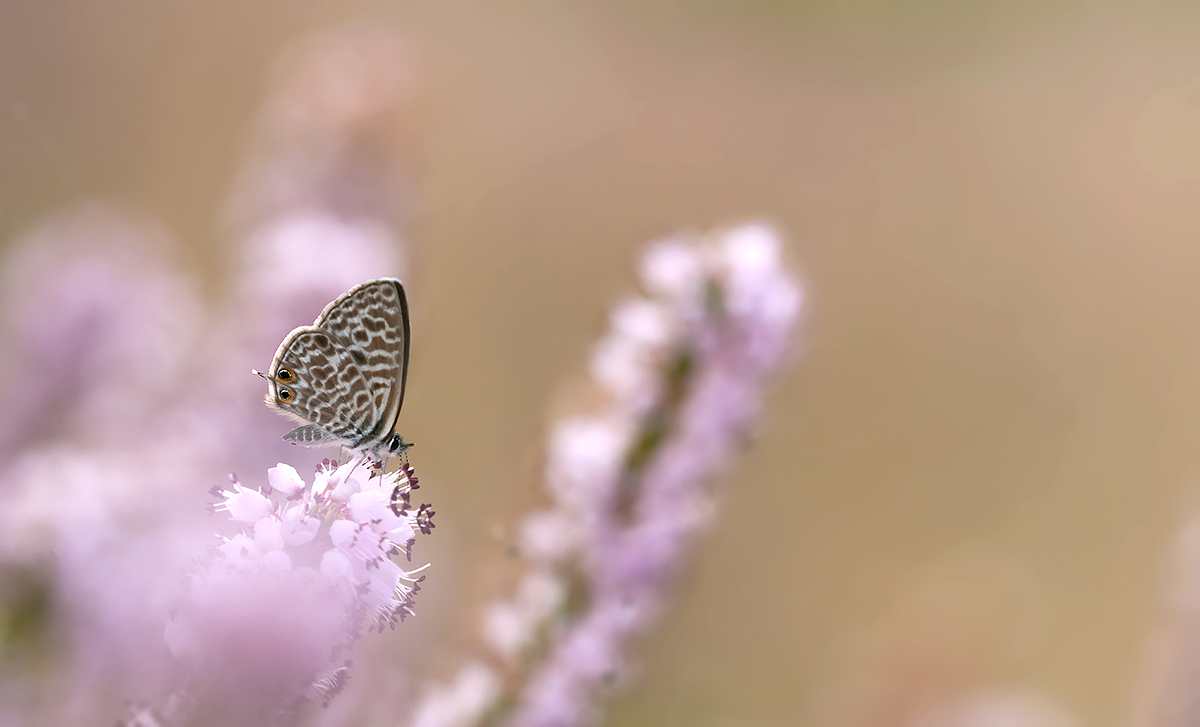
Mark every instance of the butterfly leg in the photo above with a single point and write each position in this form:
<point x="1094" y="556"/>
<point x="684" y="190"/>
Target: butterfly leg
<point x="360" y="460"/>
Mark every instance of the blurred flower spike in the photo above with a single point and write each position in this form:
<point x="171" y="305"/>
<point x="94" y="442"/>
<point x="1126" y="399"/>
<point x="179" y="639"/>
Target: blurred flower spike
<point x="273" y="610"/>
<point x="683" y="368"/>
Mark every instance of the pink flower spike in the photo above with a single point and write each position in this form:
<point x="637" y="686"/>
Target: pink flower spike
<point x="258" y="608"/>
<point x="685" y="369"/>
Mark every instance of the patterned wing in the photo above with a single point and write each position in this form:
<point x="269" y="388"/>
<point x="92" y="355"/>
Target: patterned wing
<point x="373" y="318"/>
<point x="319" y="380"/>
<point x="310" y="435"/>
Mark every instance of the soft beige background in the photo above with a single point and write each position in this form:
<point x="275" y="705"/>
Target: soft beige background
<point x="975" y="470"/>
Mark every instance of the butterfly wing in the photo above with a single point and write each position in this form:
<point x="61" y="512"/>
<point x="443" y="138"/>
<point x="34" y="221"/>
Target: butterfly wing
<point x="372" y="318"/>
<point x="310" y="435"/>
<point x="318" y="380"/>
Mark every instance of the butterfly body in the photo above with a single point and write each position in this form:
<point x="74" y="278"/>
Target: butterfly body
<point x="343" y="377"/>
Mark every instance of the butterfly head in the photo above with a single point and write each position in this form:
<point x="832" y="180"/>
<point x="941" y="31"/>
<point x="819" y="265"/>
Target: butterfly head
<point x="394" y="445"/>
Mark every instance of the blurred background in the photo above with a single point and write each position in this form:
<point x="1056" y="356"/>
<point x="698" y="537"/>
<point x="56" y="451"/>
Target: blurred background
<point x="973" y="475"/>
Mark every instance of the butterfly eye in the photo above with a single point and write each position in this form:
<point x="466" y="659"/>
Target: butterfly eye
<point x="284" y="375"/>
<point x="285" y="394"/>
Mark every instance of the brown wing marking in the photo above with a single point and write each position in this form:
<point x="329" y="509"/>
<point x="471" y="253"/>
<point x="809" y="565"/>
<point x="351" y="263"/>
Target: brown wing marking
<point x="328" y="389"/>
<point x="373" y="318"/>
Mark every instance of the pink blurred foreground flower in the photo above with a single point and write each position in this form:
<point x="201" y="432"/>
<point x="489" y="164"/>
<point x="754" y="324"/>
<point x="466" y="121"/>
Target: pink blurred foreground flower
<point x="126" y="398"/>
<point x="271" y="614"/>
<point x="683" y="368"/>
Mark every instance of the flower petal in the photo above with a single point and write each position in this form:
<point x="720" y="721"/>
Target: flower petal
<point x="245" y="505"/>
<point x="284" y="478"/>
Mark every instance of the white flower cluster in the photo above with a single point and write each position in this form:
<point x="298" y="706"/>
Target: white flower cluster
<point x="683" y="368"/>
<point x="278" y="603"/>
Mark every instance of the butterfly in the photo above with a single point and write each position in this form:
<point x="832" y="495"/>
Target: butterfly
<point x="343" y="377"/>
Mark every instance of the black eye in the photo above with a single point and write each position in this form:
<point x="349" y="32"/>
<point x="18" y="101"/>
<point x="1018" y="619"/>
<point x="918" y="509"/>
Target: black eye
<point x="285" y="395"/>
<point x="284" y="375"/>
